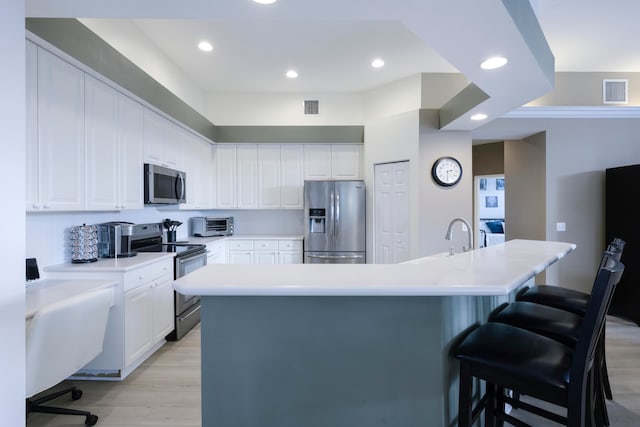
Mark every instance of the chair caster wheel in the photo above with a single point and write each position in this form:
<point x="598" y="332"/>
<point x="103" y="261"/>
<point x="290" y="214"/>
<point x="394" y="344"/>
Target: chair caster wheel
<point x="91" y="420"/>
<point x="76" y="394"/>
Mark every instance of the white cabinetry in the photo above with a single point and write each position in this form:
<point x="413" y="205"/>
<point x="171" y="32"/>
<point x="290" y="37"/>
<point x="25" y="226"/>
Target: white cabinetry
<point x="290" y="252"/>
<point x="198" y="165"/>
<point x="264" y="251"/>
<point x="291" y="176"/>
<point x="332" y="161"/>
<point x="269" y="182"/>
<point x="240" y="251"/>
<point x="114" y="148"/>
<point x="247" y="158"/>
<point x="141" y="317"/>
<point x="56" y="150"/>
<point x="217" y="252"/>
<point x="148" y="309"/>
<point x="226" y="176"/>
<point x="161" y="141"/>
<point x="262" y="176"/>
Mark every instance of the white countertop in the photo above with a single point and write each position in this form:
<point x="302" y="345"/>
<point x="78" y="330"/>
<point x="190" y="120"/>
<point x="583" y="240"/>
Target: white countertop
<point x="494" y="270"/>
<point x="111" y="264"/>
<point x="43" y="292"/>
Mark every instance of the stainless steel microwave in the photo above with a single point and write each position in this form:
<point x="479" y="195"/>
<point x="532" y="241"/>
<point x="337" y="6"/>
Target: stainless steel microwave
<point x="205" y="226"/>
<point x="164" y="185"/>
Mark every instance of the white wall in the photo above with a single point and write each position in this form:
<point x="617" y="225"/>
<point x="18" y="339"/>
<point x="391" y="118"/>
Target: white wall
<point x="12" y="299"/>
<point x="439" y="205"/>
<point x="415" y="136"/>
<point x="490" y="191"/>
<point x="267" y="109"/>
<point x="48" y="237"/>
<point x="392" y="139"/>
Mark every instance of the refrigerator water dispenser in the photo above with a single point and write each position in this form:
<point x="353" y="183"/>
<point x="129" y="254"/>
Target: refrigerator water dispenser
<point x="317" y="220"/>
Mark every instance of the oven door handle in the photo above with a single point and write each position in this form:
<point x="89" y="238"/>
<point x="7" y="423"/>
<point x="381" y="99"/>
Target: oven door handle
<point x="183" y="260"/>
<point x="197" y="309"/>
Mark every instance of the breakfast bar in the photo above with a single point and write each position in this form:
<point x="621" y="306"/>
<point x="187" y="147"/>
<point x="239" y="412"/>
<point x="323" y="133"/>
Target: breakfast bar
<point x="349" y="345"/>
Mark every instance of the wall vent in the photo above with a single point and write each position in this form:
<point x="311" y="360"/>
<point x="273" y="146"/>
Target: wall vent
<point x="311" y="106"/>
<point x="614" y="91"/>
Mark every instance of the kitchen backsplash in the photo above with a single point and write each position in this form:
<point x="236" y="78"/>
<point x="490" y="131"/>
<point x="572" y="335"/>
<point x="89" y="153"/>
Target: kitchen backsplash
<point x="47" y="234"/>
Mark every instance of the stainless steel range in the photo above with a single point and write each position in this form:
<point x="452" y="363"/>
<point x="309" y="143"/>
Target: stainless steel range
<point x="188" y="258"/>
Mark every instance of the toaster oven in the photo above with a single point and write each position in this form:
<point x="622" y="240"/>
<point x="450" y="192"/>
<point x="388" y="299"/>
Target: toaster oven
<point x="206" y="226"/>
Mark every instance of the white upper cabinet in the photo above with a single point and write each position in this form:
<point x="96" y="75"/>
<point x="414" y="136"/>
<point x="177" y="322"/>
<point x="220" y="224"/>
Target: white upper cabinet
<point x="198" y="165"/>
<point x="114" y="148"/>
<point x="59" y="149"/>
<point x="269" y="177"/>
<point x="345" y="161"/>
<point x="101" y="123"/>
<point x="226" y="176"/>
<point x="247" y="159"/>
<point x="130" y="137"/>
<point x="317" y="161"/>
<point x="161" y="141"/>
<point x="332" y="161"/>
<point x="291" y="176"/>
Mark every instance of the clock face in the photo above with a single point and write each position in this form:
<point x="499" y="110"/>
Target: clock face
<point x="446" y="171"/>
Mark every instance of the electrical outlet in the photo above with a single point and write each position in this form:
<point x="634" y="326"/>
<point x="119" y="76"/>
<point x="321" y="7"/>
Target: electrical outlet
<point x="561" y="226"/>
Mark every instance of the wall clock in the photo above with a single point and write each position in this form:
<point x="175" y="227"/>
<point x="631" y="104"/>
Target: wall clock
<point x="446" y="171"/>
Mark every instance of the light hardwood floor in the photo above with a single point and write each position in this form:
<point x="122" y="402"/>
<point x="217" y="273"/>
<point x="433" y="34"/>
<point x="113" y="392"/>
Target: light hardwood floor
<point x="165" y="390"/>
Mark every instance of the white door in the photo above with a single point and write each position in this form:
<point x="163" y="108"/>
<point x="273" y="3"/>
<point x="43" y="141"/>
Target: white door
<point x="130" y="135"/>
<point x="391" y="218"/>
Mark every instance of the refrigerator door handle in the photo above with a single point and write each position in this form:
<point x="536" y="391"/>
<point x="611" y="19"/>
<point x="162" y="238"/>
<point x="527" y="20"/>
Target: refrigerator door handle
<point x="336" y="256"/>
<point x="333" y="218"/>
<point x="337" y="219"/>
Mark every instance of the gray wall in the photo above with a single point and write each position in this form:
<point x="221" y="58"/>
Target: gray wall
<point x="488" y="159"/>
<point x="585" y="89"/>
<point x="525" y="190"/>
<point x="577" y="153"/>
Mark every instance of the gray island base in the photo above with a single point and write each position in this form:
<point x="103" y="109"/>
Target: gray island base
<point x="279" y="349"/>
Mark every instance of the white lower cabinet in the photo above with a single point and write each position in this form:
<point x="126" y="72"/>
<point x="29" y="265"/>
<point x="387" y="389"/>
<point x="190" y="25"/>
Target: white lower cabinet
<point x="141" y="317"/>
<point x="264" y="251"/>
<point x="148" y="310"/>
<point x="217" y="252"/>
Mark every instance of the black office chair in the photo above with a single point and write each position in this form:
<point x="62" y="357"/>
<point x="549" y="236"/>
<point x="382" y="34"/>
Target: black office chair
<point x="511" y="358"/>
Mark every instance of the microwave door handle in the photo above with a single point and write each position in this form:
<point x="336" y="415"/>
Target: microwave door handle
<point x="180" y="187"/>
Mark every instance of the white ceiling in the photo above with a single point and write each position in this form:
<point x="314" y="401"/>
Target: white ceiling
<point x="331" y="43"/>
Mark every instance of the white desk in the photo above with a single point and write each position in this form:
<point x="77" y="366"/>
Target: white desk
<point x="49" y="291"/>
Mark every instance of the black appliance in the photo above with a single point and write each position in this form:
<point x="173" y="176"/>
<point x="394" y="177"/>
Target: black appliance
<point x="164" y="185"/>
<point x="623" y="221"/>
<point x="188" y="258"/>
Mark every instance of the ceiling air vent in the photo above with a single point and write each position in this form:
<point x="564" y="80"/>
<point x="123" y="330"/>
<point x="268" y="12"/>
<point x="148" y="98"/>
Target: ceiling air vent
<point x="311" y="106"/>
<point x="614" y="91"/>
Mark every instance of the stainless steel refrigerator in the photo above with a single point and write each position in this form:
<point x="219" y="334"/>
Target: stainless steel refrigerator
<point x="334" y="217"/>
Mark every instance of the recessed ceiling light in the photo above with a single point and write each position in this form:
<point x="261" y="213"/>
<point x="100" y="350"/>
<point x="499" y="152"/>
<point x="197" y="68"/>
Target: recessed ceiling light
<point x="205" y="46"/>
<point x="479" y="116"/>
<point x="377" y="63"/>
<point x="493" y="63"/>
<point x="292" y="74"/>
<point x="265" y="1"/>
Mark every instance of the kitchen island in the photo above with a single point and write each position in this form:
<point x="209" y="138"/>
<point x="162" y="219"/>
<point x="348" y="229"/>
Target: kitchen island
<point x="348" y="345"/>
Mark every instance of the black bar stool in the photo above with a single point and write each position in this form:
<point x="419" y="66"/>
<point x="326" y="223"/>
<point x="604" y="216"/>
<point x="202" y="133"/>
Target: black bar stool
<point x="508" y="357"/>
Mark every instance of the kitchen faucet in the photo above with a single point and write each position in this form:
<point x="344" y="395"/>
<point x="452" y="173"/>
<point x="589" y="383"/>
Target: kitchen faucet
<point x="449" y="234"/>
